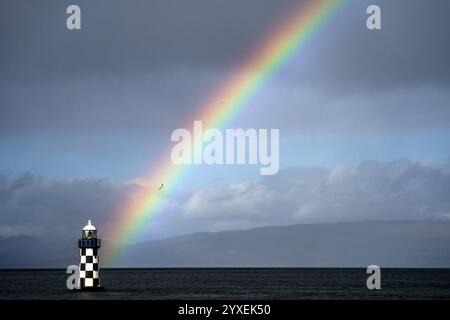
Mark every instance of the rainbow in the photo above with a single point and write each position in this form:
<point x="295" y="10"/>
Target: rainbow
<point x="223" y="105"/>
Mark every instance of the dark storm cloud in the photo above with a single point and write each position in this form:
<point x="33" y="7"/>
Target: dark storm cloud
<point x="149" y="64"/>
<point x="129" y="36"/>
<point x="411" y="49"/>
<point x="99" y="104"/>
<point x="135" y="65"/>
<point x="145" y="36"/>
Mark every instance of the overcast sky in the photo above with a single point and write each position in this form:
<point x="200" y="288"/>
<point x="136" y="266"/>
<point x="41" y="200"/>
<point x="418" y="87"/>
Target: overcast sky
<point x="364" y="116"/>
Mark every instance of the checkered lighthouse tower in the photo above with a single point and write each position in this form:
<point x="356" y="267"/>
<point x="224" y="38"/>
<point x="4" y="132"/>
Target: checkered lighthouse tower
<point x="89" y="245"/>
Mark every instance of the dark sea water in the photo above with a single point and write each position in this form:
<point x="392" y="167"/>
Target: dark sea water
<point x="247" y="283"/>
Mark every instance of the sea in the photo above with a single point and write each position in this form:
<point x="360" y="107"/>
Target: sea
<point x="230" y="283"/>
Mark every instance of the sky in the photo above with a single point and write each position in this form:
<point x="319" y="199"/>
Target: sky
<point x="364" y="115"/>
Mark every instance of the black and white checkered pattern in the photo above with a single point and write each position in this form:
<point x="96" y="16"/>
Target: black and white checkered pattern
<point x="89" y="273"/>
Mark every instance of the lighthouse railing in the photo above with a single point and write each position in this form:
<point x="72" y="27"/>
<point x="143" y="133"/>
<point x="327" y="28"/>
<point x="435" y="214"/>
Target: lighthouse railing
<point x="89" y="243"/>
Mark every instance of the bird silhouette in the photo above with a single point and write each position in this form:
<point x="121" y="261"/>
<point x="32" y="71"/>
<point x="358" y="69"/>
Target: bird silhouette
<point x="161" y="186"/>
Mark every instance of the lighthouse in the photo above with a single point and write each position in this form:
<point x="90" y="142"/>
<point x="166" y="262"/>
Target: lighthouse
<point x="89" y="271"/>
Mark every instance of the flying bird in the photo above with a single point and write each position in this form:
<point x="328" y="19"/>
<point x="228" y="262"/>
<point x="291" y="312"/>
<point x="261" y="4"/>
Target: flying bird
<point x="161" y="186"/>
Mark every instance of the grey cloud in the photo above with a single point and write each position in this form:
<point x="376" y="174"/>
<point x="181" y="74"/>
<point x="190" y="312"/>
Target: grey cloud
<point x="15" y="231"/>
<point x="410" y="50"/>
<point x="311" y="111"/>
<point x="147" y="65"/>
<point x="96" y="104"/>
<point x="400" y="190"/>
<point x="128" y="38"/>
<point x="34" y="206"/>
<point x="108" y="106"/>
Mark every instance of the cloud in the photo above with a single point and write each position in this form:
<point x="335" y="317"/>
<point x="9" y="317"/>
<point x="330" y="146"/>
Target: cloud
<point x="15" y="231"/>
<point x="406" y="52"/>
<point x="142" y="37"/>
<point x="120" y="72"/>
<point x="241" y="200"/>
<point x="399" y="190"/>
<point x="124" y="38"/>
<point x="130" y="38"/>
<point x="311" y="111"/>
<point x="32" y="205"/>
<point x="99" y="104"/>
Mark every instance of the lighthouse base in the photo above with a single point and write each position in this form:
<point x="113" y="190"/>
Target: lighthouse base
<point x="99" y="288"/>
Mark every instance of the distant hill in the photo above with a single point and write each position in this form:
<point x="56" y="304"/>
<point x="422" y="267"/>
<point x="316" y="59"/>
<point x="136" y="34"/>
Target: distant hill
<point x="351" y="244"/>
<point x="28" y="252"/>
